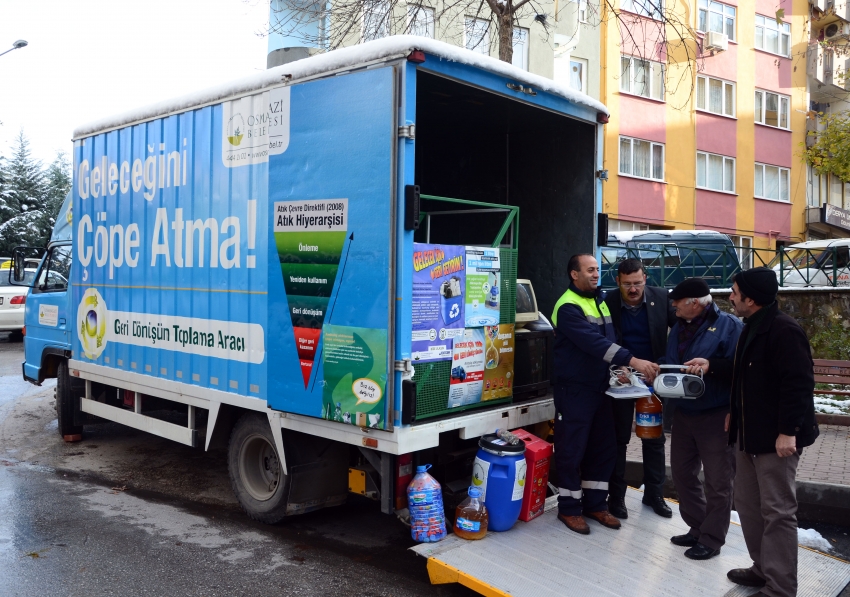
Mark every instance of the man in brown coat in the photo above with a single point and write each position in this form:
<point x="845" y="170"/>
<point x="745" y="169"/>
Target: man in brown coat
<point x="772" y="419"/>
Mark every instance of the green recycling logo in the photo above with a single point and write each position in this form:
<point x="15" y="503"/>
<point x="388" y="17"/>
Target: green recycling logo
<point x="91" y="323"/>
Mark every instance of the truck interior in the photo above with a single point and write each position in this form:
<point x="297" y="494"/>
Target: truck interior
<point x="475" y="145"/>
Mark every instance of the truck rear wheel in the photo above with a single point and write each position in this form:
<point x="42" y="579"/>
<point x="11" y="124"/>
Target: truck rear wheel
<point x="68" y="391"/>
<point x="255" y="472"/>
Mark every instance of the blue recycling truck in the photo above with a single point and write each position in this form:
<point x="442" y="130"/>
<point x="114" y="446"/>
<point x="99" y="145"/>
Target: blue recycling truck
<point x="240" y="259"/>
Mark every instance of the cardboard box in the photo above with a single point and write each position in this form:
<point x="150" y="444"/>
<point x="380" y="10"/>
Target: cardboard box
<point x="538" y="456"/>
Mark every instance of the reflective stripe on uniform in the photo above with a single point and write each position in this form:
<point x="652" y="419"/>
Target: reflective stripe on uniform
<point x="611" y="352"/>
<point x="595" y="485"/>
<point x="567" y="493"/>
<point x="588" y="306"/>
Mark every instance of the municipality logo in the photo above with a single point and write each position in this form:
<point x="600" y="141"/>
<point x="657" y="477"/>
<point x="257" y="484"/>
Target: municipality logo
<point x="235" y="128"/>
<point x="91" y="323"/>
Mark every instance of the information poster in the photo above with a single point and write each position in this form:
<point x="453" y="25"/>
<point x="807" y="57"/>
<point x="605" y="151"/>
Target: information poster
<point x="355" y="368"/>
<point x="438" y="286"/>
<point x="482" y="287"/>
<point x="467" y="376"/>
<point x="310" y="236"/>
<point x="498" y="361"/>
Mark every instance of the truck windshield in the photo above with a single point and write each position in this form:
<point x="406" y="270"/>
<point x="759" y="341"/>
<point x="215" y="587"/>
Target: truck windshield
<point x="800" y="258"/>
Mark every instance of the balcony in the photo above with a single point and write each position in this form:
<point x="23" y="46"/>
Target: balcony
<point x="830" y="12"/>
<point x="828" y="70"/>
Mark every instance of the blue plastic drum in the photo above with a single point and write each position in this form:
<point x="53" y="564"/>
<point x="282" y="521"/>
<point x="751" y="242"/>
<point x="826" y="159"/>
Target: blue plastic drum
<point x="499" y="471"/>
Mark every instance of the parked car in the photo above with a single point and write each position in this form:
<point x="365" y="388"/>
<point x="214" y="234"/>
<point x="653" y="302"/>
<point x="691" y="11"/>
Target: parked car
<point x="12" y="303"/>
<point x="815" y="263"/>
<point x="13" y="298"/>
<point x="670" y="256"/>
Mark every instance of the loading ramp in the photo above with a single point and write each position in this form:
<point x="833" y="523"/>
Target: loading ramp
<point x="543" y="558"/>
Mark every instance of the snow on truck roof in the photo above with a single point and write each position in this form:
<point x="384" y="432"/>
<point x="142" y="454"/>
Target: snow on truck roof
<point x="626" y="236"/>
<point x="388" y="47"/>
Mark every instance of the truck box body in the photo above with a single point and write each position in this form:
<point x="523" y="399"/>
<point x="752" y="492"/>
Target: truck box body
<point x="222" y="245"/>
<point x="214" y="244"/>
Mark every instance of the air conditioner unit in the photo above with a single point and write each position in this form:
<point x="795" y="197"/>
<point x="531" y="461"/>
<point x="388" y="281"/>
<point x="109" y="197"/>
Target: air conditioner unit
<point x="836" y="30"/>
<point x="716" y="42"/>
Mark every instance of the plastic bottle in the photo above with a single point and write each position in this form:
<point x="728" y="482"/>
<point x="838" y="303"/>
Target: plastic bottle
<point x="425" y="503"/>
<point x="648" y="417"/>
<point x="471" y="516"/>
<point x="507" y="436"/>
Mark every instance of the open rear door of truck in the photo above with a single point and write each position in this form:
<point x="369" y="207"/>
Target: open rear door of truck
<point x="543" y="558"/>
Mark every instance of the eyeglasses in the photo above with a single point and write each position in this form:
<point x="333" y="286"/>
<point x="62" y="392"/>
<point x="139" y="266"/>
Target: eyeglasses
<point x="630" y="286"/>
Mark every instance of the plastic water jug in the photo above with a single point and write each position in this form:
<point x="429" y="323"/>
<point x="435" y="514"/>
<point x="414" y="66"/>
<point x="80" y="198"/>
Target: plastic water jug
<point x="425" y="503"/>
<point x="471" y="516"/>
<point x="648" y="417"/>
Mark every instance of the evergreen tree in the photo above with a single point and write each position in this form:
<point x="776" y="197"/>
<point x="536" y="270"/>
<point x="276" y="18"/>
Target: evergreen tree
<point x="23" y="202"/>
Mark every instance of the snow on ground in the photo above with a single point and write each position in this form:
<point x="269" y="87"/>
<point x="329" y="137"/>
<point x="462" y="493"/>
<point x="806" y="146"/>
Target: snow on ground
<point x="811" y="538"/>
<point x="832" y="406"/>
<point x="805" y="537"/>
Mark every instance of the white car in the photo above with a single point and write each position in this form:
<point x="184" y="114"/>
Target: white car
<point x="12" y="304"/>
<point x="815" y="263"/>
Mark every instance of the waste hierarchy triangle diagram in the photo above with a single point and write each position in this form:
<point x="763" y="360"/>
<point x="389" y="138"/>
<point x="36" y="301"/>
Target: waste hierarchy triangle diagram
<point x="310" y="237"/>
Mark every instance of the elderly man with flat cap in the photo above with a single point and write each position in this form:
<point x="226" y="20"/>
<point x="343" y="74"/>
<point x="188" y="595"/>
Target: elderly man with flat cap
<point x="772" y="419"/>
<point x="703" y="341"/>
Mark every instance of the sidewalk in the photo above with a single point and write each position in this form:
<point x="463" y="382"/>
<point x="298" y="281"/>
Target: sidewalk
<point x="823" y="475"/>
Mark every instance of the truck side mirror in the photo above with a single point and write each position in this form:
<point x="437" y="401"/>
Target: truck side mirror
<point x="18" y="275"/>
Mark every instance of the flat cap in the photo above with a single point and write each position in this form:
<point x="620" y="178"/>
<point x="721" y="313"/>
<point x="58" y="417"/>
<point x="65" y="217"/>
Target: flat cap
<point x="690" y="288"/>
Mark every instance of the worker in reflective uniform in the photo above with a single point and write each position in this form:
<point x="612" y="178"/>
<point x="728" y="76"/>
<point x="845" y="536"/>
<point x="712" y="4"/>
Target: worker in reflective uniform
<point x="585" y="441"/>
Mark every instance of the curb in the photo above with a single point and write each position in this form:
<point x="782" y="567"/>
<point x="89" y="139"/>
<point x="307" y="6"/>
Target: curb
<point x="824" y="419"/>
<point x="816" y="501"/>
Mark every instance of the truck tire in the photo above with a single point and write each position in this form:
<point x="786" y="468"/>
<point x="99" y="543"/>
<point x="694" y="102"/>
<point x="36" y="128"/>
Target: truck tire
<point x="254" y="468"/>
<point x="68" y="391"/>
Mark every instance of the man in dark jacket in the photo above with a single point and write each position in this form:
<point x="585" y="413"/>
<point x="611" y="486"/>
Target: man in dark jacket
<point x="703" y="339"/>
<point x="642" y="316"/>
<point x="772" y="419"/>
<point x="585" y="444"/>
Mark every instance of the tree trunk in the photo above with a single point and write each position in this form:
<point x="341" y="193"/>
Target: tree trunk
<point x="506" y="37"/>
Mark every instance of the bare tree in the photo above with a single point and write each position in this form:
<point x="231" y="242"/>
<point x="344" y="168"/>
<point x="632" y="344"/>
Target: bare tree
<point x="652" y="30"/>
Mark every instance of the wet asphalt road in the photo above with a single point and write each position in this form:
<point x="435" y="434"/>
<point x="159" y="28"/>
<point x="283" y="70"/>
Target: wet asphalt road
<point x="124" y="513"/>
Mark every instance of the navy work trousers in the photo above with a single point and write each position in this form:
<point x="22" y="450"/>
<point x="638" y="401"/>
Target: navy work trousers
<point x="585" y="449"/>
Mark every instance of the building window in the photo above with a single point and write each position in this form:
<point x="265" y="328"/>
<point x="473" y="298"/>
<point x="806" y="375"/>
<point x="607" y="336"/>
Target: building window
<point x="772" y="109"/>
<point x="647" y="8"/>
<point x="578" y="74"/>
<point x="642" y="77"/>
<point x="376" y="19"/>
<point x="716" y="96"/>
<point x="828" y="188"/>
<point x="582" y="11"/>
<point x="714" y="16"/>
<point x="772" y="37"/>
<point x="772" y="182"/>
<point x="744" y="248"/>
<point x="715" y="172"/>
<point x="520" y="43"/>
<point x="420" y="20"/>
<point x="641" y="159"/>
<point x="476" y="35"/>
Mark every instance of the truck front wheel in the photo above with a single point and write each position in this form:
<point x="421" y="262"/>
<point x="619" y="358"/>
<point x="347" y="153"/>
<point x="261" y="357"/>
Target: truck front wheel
<point x="68" y="391"/>
<point x="255" y="472"/>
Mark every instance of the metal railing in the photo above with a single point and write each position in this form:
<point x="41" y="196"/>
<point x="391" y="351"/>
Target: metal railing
<point x="670" y="264"/>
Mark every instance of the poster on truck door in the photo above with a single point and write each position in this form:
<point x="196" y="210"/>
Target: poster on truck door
<point x="217" y="247"/>
<point x="437" y="310"/>
<point x="483" y="275"/>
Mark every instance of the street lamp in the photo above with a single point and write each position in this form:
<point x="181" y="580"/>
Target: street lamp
<point x="21" y="43"/>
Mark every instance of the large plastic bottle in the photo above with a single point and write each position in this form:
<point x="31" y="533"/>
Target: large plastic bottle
<point x="648" y="417"/>
<point x="425" y="503"/>
<point x="471" y="516"/>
